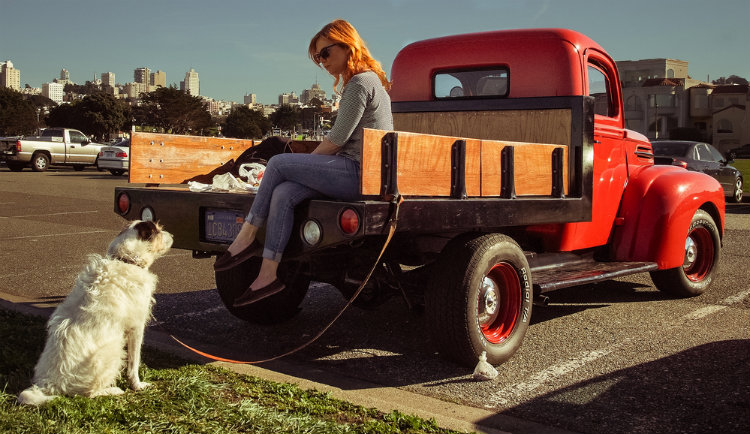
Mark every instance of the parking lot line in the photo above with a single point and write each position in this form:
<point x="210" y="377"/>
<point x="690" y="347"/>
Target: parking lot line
<point x="46" y="214"/>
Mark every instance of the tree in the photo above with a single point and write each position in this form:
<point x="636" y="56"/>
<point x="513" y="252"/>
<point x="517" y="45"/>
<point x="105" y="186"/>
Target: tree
<point x="244" y="123"/>
<point x="98" y="115"/>
<point x="732" y="79"/>
<point x="17" y="115"/>
<point x="174" y="110"/>
<point x="286" y="117"/>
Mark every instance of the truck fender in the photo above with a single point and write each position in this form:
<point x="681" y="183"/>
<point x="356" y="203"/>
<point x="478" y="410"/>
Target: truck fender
<point x="656" y="210"/>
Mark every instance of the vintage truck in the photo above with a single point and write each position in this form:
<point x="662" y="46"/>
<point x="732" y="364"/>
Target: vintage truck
<point x="517" y="176"/>
<point x="55" y="146"/>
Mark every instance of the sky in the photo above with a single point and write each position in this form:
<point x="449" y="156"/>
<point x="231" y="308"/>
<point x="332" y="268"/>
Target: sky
<point x="247" y="46"/>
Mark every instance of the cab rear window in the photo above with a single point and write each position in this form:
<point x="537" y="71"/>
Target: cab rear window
<point x="472" y="83"/>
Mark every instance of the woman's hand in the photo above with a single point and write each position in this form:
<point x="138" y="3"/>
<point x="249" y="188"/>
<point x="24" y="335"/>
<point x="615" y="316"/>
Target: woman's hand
<point x="326" y="147"/>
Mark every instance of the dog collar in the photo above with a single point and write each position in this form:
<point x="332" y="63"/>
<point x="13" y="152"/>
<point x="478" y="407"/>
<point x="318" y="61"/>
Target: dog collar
<point x="127" y="261"/>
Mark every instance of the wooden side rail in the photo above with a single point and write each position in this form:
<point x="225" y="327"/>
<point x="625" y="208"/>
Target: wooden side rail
<point x="172" y="159"/>
<point x="425" y="166"/>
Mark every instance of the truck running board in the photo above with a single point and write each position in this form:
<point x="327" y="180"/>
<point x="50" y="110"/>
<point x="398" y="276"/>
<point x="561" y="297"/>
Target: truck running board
<point x="580" y="273"/>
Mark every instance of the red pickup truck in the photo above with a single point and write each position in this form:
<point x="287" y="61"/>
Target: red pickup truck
<point x="518" y="178"/>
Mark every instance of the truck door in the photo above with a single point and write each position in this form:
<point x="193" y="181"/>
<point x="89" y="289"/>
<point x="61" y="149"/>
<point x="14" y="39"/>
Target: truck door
<point x="78" y="149"/>
<point x="610" y="162"/>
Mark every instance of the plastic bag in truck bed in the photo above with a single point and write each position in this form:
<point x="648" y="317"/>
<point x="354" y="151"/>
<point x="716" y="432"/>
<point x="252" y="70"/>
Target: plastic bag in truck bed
<point x="252" y="172"/>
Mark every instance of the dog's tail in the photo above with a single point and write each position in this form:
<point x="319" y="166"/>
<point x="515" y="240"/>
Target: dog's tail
<point x="34" y="396"/>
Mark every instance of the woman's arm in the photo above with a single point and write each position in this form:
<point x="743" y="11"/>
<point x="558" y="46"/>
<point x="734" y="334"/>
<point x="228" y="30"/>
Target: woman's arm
<point x="326" y="147"/>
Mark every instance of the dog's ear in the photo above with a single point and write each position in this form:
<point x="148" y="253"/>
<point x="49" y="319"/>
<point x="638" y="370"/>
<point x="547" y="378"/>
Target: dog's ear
<point x="146" y="230"/>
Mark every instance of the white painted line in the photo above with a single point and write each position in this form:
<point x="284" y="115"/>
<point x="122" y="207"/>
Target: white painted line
<point x="550" y="374"/>
<point x="25" y="237"/>
<point x="736" y="298"/>
<point x="46" y="215"/>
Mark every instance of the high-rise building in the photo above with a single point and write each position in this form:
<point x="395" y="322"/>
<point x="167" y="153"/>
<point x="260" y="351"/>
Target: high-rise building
<point x="141" y="76"/>
<point x="192" y="83"/>
<point x="250" y="99"/>
<point x="9" y="76"/>
<point x="53" y="91"/>
<point x="158" y="79"/>
<point x="108" y="79"/>
<point x="315" y="92"/>
<point x="288" y="98"/>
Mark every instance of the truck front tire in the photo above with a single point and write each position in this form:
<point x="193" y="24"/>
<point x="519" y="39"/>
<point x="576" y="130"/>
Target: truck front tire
<point x="480" y="299"/>
<point x="272" y="310"/>
<point x="40" y="162"/>
<point x="702" y="253"/>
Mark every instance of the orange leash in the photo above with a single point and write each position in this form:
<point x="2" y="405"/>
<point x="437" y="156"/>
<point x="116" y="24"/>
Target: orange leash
<point x="392" y="223"/>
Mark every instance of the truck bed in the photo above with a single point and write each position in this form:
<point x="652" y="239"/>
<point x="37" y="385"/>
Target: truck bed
<point x="450" y="183"/>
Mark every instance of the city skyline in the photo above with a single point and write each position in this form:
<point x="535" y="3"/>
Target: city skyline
<point x="240" y="48"/>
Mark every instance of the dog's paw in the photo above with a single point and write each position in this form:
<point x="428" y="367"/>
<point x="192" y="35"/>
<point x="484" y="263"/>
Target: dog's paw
<point x="141" y="385"/>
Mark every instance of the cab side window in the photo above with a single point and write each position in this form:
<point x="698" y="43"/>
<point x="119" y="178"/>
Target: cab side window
<point x="76" y="137"/>
<point x="599" y="89"/>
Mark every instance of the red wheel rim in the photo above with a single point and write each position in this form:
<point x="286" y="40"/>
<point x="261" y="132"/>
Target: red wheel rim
<point x="499" y="302"/>
<point x="699" y="254"/>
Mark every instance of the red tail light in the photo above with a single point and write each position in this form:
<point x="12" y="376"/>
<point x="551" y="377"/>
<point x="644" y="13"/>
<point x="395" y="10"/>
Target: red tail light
<point x="349" y="221"/>
<point x="18" y="146"/>
<point x="122" y="154"/>
<point x="123" y="203"/>
<point x="101" y="153"/>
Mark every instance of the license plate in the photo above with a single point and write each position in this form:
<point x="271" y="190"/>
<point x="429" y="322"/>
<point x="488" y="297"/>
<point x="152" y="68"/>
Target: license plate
<point x="222" y="225"/>
<point x="109" y="154"/>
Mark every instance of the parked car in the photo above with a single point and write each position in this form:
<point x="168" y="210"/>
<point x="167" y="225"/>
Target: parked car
<point x="701" y="157"/>
<point x="741" y="152"/>
<point x="115" y="157"/>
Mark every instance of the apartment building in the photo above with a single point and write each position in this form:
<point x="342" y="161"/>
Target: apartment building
<point x="53" y="91"/>
<point x="662" y="101"/>
<point x="9" y="76"/>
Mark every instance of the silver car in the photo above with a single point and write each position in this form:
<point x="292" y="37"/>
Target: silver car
<point x="115" y="157"/>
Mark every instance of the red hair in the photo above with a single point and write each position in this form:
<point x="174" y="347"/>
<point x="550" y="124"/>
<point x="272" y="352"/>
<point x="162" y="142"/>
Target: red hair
<point x="344" y="34"/>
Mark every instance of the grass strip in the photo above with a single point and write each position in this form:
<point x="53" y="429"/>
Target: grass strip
<point x="183" y="398"/>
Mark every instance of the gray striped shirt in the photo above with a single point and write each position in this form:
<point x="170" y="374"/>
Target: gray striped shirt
<point x="364" y="104"/>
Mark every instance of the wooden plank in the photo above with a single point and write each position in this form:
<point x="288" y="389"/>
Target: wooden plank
<point x="171" y="159"/>
<point x="423" y="164"/>
<point x="530" y="126"/>
<point x="532" y="167"/>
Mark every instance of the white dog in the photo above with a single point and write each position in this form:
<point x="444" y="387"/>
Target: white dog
<point x="107" y="309"/>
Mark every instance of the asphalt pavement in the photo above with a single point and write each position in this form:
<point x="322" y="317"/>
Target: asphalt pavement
<point x="616" y="357"/>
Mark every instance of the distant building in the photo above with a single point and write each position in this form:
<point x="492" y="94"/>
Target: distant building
<point x="108" y="79"/>
<point x="9" y="76"/>
<point x="134" y="90"/>
<point x="53" y="91"/>
<point x="250" y="99"/>
<point x="141" y="76"/>
<point x="314" y="92"/>
<point x="191" y="85"/>
<point x="288" y="98"/>
<point x="662" y="101"/>
<point x="158" y="79"/>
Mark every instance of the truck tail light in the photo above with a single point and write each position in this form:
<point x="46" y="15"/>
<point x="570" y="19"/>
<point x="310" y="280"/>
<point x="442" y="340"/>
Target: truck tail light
<point x="312" y="232"/>
<point x="349" y="221"/>
<point x="18" y="146"/>
<point x="123" y="203"/>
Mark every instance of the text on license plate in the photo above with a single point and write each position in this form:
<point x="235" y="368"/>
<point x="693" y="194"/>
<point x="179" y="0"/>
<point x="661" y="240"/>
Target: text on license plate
<point x="222" y="225"/>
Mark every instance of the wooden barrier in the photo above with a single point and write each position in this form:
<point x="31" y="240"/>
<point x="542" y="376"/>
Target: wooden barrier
<point x="424" y="165"/>
<point x="172" y="159"/>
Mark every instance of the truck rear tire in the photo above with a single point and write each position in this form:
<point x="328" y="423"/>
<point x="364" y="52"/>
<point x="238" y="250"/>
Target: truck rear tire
<point x="272" y="310"/>
<point x="40" y="162"/>
<point x="480" y="299"/>
<point x="702" y="253"/>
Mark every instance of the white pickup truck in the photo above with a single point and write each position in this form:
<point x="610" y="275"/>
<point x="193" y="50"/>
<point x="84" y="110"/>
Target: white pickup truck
<point x="55" y="146"/>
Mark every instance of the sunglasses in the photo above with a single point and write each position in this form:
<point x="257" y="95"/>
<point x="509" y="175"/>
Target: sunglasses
<point x="323" y="53"/>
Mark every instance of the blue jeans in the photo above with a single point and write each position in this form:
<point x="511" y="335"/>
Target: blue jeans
<point x="292" y="178"/>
